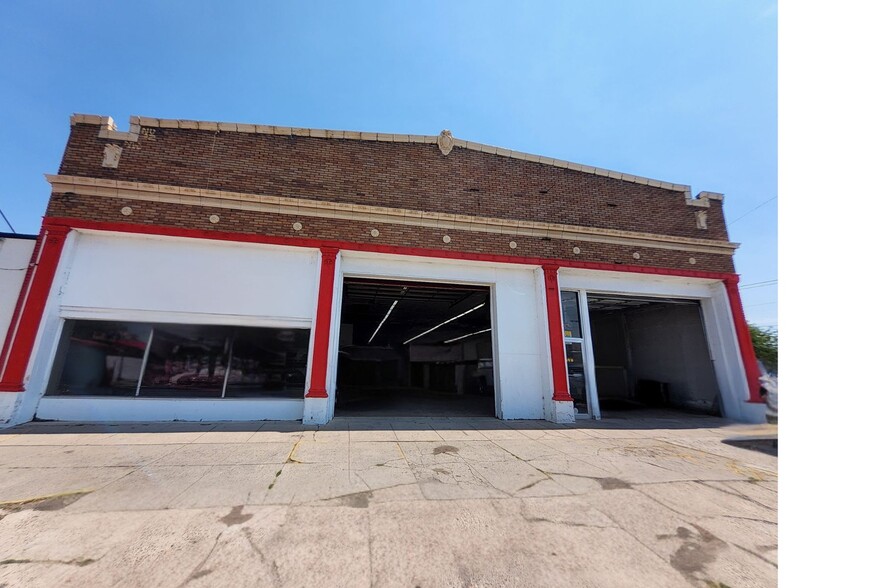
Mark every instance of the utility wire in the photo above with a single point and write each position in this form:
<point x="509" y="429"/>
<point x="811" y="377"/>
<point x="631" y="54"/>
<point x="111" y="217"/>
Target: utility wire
<point x="759" y="284"/>
<point x="7" y="221"/>
<point x="751" y="210"/>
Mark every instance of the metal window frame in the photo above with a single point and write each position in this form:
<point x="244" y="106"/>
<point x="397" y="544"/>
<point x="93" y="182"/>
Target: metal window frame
<point x="588" y="363"/>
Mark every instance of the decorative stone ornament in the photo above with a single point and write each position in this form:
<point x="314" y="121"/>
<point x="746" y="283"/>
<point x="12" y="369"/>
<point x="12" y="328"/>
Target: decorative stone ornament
<point x="692" y="261"/>
<point x="375" y="233"/>
<point x="701" y="219"/>
<point x="445" y="142"/>
<point x="112" y="153"/>
<point x="636" y="255"/>
<point x="513" y="245"/>
<point x="214" y="219"/>
<point x="446" y="238"/>
<point x="298" y="226"/>
<point x="126" y="210"/>
<point x="576" y="250"/>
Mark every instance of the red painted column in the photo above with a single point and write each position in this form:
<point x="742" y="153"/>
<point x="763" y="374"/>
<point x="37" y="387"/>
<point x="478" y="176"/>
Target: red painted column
<point x="22" y="333"/>
<point x="317" y="382"/>
<point x="748" y="355"/>
<point x="555" y="336"/>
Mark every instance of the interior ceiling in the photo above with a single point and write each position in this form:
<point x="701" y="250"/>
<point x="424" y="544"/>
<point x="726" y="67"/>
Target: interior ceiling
<point x="600" y="303"/>
<point x="420" y="306"/>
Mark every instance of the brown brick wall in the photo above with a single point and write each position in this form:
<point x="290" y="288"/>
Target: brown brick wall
<point x="263" y="223"/>
<point x="401" y="175"/>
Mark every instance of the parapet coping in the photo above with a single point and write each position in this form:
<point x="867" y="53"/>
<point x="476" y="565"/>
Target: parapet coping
<point x="137" y="123"/>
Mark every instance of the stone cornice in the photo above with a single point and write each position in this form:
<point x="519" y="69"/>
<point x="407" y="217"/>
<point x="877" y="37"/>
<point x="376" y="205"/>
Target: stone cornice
<point x="304" y="207"/>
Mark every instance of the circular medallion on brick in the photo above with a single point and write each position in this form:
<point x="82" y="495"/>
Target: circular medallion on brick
<point x="576" y="250"/>
<point x="126" y="210"/>
<point x="513" y="245"/>
<point x="446" y="238"/>
<point x="298" y="226"/>
<point x="375" y="233"/>
<point x="636" y="255"/>
<point x="214" y="219"/>
<point x="693" y="261"/>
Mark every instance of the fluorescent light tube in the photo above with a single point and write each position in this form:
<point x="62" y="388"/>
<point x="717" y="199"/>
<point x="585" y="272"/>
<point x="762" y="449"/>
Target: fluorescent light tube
<point x="444" y="323"/>
<point x="388" y="312"/>
<point x="464" y="336"/>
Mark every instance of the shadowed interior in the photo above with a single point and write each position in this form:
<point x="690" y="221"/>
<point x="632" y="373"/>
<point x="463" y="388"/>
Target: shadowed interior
<point x="411" y="348"/>
<point x="651" y="352"/>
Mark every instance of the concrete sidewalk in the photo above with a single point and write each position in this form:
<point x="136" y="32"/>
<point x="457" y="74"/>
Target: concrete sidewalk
<point x="388" y="502"/>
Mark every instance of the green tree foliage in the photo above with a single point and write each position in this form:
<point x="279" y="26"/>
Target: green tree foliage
<point x="765" y="344"/>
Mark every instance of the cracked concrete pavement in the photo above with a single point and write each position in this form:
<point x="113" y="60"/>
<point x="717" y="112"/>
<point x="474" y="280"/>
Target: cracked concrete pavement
<point x="652" y="501"/>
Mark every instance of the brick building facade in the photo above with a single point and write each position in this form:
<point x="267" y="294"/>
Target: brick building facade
<point x="331" y="216"/>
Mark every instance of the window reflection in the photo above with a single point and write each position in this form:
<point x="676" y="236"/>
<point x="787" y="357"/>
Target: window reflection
<point x="103" y="358"/>
<point x="572" y="325"/>
<point x="186" y="360"/>
<point x="576" y="372"/>
<point x="100" y="358"/>
<point x="268" y="362"/>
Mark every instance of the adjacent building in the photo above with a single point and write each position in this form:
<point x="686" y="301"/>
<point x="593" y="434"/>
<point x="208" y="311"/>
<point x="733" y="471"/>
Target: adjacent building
<point x="190" y="270"/>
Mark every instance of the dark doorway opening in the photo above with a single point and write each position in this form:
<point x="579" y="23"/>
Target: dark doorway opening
<point x="651" y="352"/>
<point x="414" y="349"/>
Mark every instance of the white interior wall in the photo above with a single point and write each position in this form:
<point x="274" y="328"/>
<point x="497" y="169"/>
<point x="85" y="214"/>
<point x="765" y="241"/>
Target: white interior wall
<point x="668" y="344"/>
<point x="613" y="374"/>
<point x="164" y="279"/>
<point x="520" y="360"/>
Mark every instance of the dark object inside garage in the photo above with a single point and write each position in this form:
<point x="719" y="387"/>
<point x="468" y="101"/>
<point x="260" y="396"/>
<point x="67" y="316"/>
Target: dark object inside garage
<point x="417" y="349"/>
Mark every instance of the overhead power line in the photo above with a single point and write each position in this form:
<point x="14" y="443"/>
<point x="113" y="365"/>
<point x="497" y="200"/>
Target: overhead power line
<point x="759" y="284"/>
<point x="751" y="210"/>
<point x="7" y="221"/>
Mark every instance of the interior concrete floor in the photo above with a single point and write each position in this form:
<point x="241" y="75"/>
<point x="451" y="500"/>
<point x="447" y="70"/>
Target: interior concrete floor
<point x="388" y="502"/>
<point x="391" y="402"/>
<point x="635" y="414"/>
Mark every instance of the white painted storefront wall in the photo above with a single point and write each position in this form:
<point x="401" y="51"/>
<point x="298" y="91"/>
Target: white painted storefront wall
<point x="114" y="276"/>
<point x="164" y="279"/>
<point x="15" y="254"/>
<point x="189" y="276"/>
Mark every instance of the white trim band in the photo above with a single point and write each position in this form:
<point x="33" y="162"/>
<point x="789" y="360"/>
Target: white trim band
<point x="377" y="214"/>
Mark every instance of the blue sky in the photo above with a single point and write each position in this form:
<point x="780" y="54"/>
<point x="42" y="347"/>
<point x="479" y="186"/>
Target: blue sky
<point x="682" y="91"/>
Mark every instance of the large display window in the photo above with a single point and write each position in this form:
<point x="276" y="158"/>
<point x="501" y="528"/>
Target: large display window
<point x="112" y="358"/>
